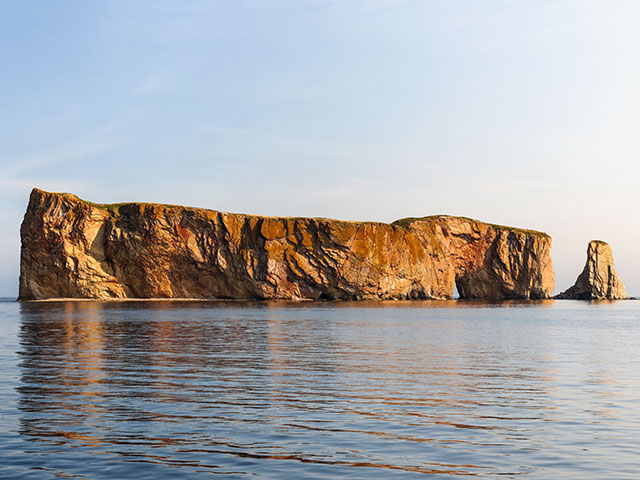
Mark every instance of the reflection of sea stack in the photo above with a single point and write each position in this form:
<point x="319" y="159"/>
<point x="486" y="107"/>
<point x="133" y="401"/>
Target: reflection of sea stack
<point x="599" y="279"/>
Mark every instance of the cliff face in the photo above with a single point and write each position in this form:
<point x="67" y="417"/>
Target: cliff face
<point x="598" y="279"/>
<point x="73" y="248"/>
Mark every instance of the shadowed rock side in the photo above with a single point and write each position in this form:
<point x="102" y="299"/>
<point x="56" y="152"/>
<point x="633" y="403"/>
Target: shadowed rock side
<point x="598" y="279"/>
<point x="73" y="248"/>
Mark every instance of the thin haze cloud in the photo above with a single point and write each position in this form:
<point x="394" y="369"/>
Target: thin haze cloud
<point x="154" y="84"/>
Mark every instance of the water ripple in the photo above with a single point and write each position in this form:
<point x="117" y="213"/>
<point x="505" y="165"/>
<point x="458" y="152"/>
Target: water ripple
<point x="411" y="389"/>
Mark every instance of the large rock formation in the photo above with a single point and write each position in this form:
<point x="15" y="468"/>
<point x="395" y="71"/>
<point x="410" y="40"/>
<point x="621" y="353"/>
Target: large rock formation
<point x="74" y="248"/>
<point x="598" y="279"/>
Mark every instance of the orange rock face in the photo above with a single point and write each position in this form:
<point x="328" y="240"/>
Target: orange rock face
<point x="75" y="249"/>
<point x="598" y="280"/>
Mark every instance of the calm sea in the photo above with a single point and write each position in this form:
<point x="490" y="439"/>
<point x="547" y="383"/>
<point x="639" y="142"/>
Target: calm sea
<point x="546" y="390"/>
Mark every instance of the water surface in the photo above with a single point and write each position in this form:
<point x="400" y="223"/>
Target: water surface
<point x="178" y="390"/>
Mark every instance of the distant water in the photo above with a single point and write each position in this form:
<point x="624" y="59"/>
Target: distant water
<point x="330" y="390"/>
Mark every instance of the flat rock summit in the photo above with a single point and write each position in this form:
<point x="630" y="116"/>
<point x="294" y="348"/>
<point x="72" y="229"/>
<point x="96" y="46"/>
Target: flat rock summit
<point x="72" y="248"/>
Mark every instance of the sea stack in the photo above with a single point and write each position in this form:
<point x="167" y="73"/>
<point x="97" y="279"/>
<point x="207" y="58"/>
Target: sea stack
<point x="598" y="280"/>
<point x="72" y="248"/>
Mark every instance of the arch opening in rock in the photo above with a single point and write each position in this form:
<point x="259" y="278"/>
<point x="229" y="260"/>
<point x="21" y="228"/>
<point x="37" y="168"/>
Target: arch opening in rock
<point x="456" y="294"/>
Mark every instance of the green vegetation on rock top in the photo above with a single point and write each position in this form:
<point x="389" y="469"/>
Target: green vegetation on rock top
<point x="402" y="223"/>
<point x="406" y="222"/>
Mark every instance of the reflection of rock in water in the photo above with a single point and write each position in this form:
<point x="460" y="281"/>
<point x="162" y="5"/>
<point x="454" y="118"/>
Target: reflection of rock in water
<point x="90" y="371"/>
<point x="62" y="371"/>
<point x="240" y="387"/>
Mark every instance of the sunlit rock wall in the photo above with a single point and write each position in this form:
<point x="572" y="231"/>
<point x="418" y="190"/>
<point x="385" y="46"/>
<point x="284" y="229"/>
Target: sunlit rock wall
<point x="76" y="249"/>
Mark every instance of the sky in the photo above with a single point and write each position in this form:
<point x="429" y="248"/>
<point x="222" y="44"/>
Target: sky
<point x="524" y="113"/>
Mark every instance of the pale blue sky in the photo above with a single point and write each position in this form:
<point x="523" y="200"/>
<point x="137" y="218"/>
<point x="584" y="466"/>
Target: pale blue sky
<point x="524" y="113"/>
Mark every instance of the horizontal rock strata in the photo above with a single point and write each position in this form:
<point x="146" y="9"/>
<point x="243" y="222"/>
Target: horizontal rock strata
<point x="73" y="248"/>
<point x="598" y="280"/>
